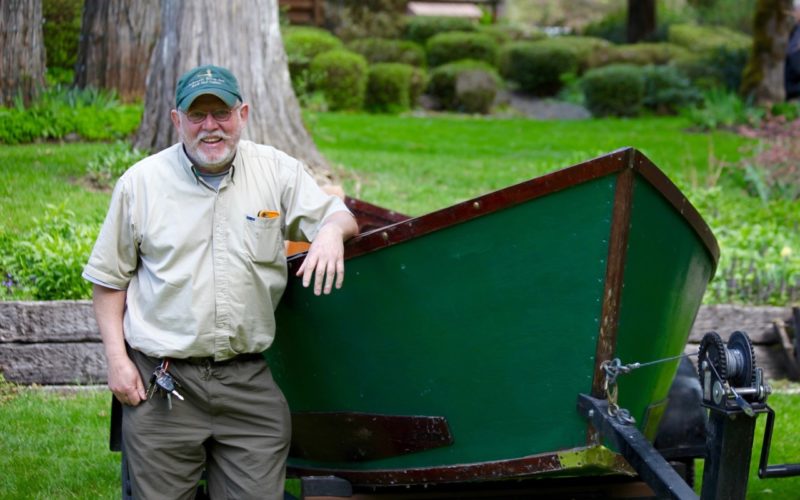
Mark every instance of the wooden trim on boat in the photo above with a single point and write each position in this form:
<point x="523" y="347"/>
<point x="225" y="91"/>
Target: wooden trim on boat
<point x="615" y="272"/>
<point x="519" y="468"/>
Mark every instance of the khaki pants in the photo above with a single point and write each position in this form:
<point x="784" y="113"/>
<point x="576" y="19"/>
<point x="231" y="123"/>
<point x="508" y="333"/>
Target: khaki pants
<point x="233" y="421"/>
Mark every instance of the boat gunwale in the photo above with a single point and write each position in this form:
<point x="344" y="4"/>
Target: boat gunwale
<point x="614" y="162"/>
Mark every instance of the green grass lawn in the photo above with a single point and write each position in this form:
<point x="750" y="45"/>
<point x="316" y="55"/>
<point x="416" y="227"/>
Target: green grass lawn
<point x="56" y="446"/>
<point x="418" y="164"/>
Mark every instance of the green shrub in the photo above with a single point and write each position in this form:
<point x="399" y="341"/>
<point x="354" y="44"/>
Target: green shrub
<point x="61" y="113"/>
<point x="537" y="67"/>
<point x="586" y="50"/>
<point x="468" y="86"/>
<point x="356" y="19"/>
<point x="506" y="33"/>
<point x="61" y="31"/>
<point x="455" y="46"/>
<point x="302" y="44"/>
<point x="341" y="76"/>
<point x="420" y="28"/>
<point x="642" y="54"/>
<point x="104" y="170"/>
<point x="615" y="90"/>
<point x="46" y="262"/>
<point x="698" y="38"/>
<point x="721" y="67"/>
<point x="393" y="87"/>
<point x="732" y="14"/>
<point x="383" y="50"/>
<point x="614" y="26"/>
<point x="722" y="108"/>
<point x="666" y="90"/>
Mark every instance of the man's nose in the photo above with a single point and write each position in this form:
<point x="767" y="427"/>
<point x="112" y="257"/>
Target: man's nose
<point x="209" y="123"/>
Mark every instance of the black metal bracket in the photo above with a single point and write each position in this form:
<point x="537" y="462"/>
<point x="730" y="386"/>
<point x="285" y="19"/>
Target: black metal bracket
<point x="767" y="471"/>
<point x="636" y="449"/>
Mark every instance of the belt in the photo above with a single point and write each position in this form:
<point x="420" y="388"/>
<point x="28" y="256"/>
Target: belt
<point x="249" y="356"/>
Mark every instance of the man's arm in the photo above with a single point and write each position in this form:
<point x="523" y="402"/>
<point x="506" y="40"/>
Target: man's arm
<point x="123" y="377"/>
<point x="325" y="258"/>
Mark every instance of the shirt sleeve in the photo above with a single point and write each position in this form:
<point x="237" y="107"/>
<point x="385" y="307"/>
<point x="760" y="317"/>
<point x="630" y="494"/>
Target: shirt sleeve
<point x="115" y="255"/>
<point x="306" y="205"/>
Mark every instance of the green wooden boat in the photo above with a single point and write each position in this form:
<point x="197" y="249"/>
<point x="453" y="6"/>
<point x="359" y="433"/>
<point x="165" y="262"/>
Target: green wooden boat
<point x="461" y="340"/>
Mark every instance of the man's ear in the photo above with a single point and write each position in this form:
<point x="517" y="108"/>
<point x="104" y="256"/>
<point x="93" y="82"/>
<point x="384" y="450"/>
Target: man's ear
<point x="176" y="119"/>
<point x="244" y="112"/>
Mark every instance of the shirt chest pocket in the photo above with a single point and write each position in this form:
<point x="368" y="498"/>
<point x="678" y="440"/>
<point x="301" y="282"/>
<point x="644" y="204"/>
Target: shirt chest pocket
<point x="263" y="240"/>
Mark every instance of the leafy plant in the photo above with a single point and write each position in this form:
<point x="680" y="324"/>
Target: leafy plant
<point x="457" y="45"/>
<point x="615" y="90"/>
<point x="341" y="76"/>
<point x="723" y="109"/>
<point x="104" y="170"/>
<point x="46" y="262"/>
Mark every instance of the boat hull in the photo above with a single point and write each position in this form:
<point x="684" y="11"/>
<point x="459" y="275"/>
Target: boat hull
<point x="492" y="316"/>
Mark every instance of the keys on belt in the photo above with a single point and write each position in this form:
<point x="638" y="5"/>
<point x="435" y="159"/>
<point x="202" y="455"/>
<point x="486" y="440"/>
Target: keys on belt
<point x="163" y="382"/>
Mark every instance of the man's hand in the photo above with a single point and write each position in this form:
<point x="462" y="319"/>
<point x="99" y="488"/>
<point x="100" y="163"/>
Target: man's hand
<point x="125" y="382"/>
<point x="325" y="258"/>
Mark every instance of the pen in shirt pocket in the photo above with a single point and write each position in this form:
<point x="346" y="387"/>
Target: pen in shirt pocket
<point x="268" y="214"/>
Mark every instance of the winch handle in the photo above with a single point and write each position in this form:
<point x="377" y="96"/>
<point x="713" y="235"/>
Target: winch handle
<point x="767" y="471"/>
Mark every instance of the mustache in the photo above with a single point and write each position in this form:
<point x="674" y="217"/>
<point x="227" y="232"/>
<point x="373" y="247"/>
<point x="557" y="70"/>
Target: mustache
<point x="211" y="135"/>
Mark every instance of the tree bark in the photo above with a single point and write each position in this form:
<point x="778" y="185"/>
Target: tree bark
<point x="763" y="78"/>
<point x="243" y="36"/>
<point x="641" y="19"/>
<point x="22" y="64"/>
<point x="117" y="38"/>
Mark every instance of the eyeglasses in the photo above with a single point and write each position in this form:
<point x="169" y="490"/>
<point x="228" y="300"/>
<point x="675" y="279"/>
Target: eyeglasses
<point x="220" y="115"/>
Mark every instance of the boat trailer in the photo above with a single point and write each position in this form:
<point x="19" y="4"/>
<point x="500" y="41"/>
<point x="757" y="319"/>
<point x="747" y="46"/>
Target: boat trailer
<point x="734" y="393"/>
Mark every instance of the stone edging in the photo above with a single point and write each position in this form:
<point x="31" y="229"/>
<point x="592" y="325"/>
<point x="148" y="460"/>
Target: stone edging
<point x="57" y="343"/>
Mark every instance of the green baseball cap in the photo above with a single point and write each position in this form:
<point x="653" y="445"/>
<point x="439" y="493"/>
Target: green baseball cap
<point x="206" y="79"/>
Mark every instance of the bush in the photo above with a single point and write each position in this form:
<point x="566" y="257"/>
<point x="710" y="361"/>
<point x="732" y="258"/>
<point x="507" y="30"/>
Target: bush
<point x="615" y="90"/>
<point x="468" y="86"/>
<point x="383" y="50"/>
<point x="586" y="50"/>
<point x="721" y="67"/>
<point x="420" y="28"/>
<point x="537" y="67"/>
<point x="393" y="87"/>
<point x="708" y="38"/>
<point x="341" y="76"/>
<point x="303" y="44"/>
<point x="506" y="33"/>
<point x="721" y="108"/>
<point x="62" y="113"/>
<point x="61" y="32"/>
<point x="104" y="170"/>
<point x="46" y="262"/>
<point x="455" y="46"/>
<point x="666" y="90"/>
<point x="642" y="54"/>
<point x="613" y="27"/>
<point x="356" y="19"/>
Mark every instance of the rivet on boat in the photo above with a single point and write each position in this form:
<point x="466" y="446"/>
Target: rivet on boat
<point x="385" y="236"/>
<point x="476" y="205"/>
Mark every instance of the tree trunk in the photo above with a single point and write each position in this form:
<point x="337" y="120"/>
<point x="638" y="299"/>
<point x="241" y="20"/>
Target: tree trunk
<point x="243" y="36"/>
<point x="763" y="78"/>
<point x="117" y="38"/>
<point x="22" y="49"/>
<point x="641" y="20"/>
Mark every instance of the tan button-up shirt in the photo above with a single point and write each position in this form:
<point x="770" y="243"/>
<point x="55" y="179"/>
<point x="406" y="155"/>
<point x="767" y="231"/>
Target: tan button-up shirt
<point x="203" y="271"/>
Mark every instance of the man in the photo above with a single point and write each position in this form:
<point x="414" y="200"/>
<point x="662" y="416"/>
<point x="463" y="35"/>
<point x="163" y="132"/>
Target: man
<point x="188" y="268"/>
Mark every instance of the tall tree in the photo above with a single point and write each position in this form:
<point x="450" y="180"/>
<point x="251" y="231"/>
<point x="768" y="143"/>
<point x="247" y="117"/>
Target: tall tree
<point x="244" y="36"/>
<point x="117" y="38"/>
<point x="641" y="20"/>
<point x="22" y="63"/>
<point x="763" y="78"/>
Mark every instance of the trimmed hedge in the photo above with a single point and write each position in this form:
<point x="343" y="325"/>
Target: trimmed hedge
<point x="587" y="50"/>
<point x="468" y="86"/>
<point x="537" y="67"/>
<point x="341" y="76"/>
<point x="615" y="90"/>
<point x="506" y="33"/>
<point x="384" y="50"/>
<point x="420" y="28"/>
<point x="708" y="38"/>
<point x="642" y="54"/>
<point x="721" y="67"/>
<point x="393" y="87"/>
<point x="303" y="44"/>
<point x="666" y="90"/>
<point x="455" y="46"/>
